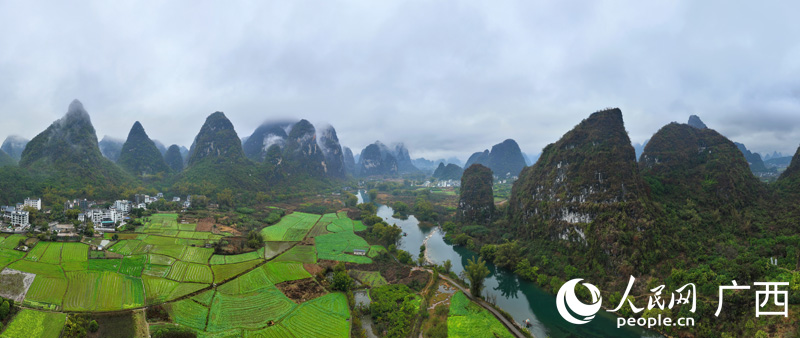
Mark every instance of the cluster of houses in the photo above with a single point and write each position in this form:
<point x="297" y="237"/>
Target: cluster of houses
<point x="141" y="201"/>
<point x="442" y="184"/>
<point x="17" y="217"/>
<point x="104" y="218"/>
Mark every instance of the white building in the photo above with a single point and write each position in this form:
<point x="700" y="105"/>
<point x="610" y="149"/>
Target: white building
<point x="101" y="217"/>
<point x="34" y="203"/>
<point x="176" y="199"/>
<point x="20" y="218"/>
<point x="123" y="206"/>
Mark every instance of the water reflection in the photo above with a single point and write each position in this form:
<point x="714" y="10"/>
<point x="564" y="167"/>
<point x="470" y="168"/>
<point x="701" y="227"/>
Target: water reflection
<point x="507" y="284"/>
<point x="520" y="298"/>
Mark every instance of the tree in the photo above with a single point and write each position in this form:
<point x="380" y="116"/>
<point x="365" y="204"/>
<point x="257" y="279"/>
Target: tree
<point x="254" y="239"/>
<point x="350" y="200"/>
<point x="93" y="326"/>
<point x="341" y="281"/>
<point x="373" y="194"/>
<point x="225" y="197"/>
<point x="477" y="273"/>
<point x="5" y="308"/>
<point x="447" y="266"/>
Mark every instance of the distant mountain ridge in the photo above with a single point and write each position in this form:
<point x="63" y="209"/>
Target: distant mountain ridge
<point x="505" y="159"/>
<point x="111" y="148"/>
<point x="14" y="146"/>
<point x="67" y="152"/>
<point x="139" y="155"/>
<point x="448" y="172"/>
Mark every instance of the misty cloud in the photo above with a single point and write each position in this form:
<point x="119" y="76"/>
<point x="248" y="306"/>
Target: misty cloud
<point x="445" y="78"/>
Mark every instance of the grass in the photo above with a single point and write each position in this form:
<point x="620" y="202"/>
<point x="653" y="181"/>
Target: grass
<point x="291" y="228"/>
<point x="467" y="319"/>
<point x="339" y="247"/>
<point x="299" y="253"/>
<point x="31" y="323"/>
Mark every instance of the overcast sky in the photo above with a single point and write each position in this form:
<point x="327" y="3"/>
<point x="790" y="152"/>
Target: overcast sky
<point x="445" y="77"/>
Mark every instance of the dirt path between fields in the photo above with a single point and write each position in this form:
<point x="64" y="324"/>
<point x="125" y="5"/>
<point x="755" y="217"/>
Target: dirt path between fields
<point x="509" y="325"/>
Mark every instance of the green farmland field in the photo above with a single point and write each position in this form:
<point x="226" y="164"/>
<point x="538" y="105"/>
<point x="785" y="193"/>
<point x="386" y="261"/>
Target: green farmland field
<point x="31" y="323"/>
<point x="467" y="319"/>
<point x="339" y="247"/>
<point x="279" y="272"/>
<point x="326" y="316"/>
<point x="291" y="228"/>
<point x="166" y="263"/>
<point x="251" y="311"/>
<point x="369" y="278"/>
<point x="228" y="271"/>
<point x="299" y="253"/>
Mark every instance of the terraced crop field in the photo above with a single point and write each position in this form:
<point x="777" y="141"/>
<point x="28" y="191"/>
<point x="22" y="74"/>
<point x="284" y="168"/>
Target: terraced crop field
<point x="104" y="264"/>
<point x="251" y="311"/>
<point x="197" y="255"/>
<point x="339" y="247"/>
<point x="53" y="254"/>
<point x="166" y="263"/>
<point x="228" y="271"/>
<point x="133" y="265"/>
<point x="467" y="319"/>
<point x="46" y="292"/>
<point x="326" y="316"/>
<point x="369" y="278"/>
<point x="279" y="272"/>
<point x="299" y="253"/>
<point x="74" y="252"/>
<point x="31" y="323"/>
<point x="291" y="228"/>
<point x="189" y="313"/>
<point x="231" y="259"/>
<point x="37" y="252"/>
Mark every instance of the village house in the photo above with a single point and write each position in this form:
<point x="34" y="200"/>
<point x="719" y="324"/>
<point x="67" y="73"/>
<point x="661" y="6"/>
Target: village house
<point x="33" y="203"/>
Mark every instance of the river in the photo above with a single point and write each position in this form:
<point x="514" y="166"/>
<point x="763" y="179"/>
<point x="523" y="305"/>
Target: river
<point x="520" y="298"/>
